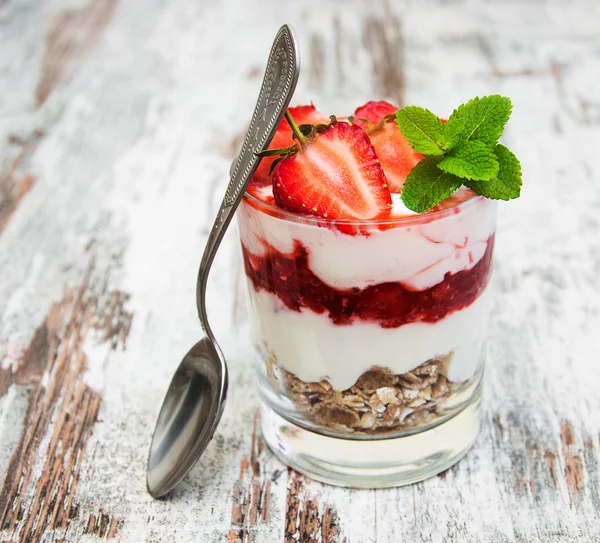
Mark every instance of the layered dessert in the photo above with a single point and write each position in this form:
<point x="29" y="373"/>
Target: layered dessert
<point x="368" y="316"/>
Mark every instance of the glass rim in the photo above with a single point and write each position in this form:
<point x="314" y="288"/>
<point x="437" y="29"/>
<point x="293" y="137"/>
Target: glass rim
<point x="429" y="216"/>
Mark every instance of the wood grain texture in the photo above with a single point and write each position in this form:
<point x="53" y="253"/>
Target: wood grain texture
<point x="120" y="121"/>
<point x="13" y="184"/>
<point x="61" y="413"/>
<point x="71" y="33"/>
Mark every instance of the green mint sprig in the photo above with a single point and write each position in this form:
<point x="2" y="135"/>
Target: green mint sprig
<point x="462" y="151"/>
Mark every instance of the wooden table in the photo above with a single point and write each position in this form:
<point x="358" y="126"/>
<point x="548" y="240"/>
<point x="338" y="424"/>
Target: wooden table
<point x="118" y="122"/>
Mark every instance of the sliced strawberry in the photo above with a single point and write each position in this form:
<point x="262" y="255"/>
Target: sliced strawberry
<point x="336" y="175"/>
<point x="302" y="115"/>
<point x="395" y="153"/>
<point x="283" y="138"/>
<point x="373" y="112"/>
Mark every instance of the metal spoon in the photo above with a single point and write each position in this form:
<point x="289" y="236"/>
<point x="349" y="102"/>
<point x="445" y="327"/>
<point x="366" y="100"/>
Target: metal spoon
<point x="196" y="396"/>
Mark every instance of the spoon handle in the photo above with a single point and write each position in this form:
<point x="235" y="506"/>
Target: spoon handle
<point x="276" y="92"/>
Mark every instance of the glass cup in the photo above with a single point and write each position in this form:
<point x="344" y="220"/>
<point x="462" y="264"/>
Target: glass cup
<point x="369" y="338"/>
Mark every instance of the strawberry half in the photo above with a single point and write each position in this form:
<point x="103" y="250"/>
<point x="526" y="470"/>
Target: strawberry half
<point x="335" y="174"/>
<point x="396" y="155"/>
<point x="284" y="138"/>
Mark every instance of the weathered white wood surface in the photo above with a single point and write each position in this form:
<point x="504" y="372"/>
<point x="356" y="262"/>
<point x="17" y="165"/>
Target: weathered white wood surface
<point x="118" y="121"/>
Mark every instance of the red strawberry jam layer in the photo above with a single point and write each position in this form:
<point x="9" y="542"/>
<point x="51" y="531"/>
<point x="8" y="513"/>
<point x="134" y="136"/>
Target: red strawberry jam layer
<point x="289" y="277"/>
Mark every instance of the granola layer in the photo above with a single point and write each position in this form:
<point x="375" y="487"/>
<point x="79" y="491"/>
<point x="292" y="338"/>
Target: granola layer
<point x="380" y="401"/>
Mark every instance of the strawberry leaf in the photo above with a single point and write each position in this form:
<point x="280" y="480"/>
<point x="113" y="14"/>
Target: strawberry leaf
<point x="308" y="130"/>
<point x="506" y="185"/>
<point x="274" y="152"/>
<point x="422" y="129"/>
<point x="426" y="186"/>
<point x="471" y="160"/>
<point x="274" y="163"/>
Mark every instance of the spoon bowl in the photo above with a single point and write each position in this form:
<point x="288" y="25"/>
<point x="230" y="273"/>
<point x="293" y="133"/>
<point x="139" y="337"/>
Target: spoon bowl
<point x="189" y="416"/>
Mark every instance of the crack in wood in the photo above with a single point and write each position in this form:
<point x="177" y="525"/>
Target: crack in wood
<point x="306" y="519"/>
<point x="339" y="48"/>
<point x="573" y="463"/>
<point x="113" y="321"/>
<point x="592" y="465"/>
<point x="538" y="470"/>
<point x="70" y="35"/>
<point x="13" y="186"/>
<point x="534" y="455"/>
<point x="383" y="39"/>
<point x="251" y="498"/>
<point x="498" y="425"/>
<point x="103" y="525"/>
<point x="534" y="471"/>
<point x="487" y="52"/>
<point x="37" y="498"/>
<point x="317" y="61"/>
<point x="550" y="461"/>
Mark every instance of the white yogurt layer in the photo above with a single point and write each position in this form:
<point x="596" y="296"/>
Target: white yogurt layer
<point x="398" y="207"/>
<point x="311" y="347"/>
<point x="416" y="255"/>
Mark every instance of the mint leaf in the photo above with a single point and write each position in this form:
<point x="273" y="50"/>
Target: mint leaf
<point x="422" y="129"/>
<point x="465" y="150"/>
<point x="507" y="183"/>
<point x="471" y="160"/>
<point x="452" y="134"/>
<point x="426" y="186"/>
<point x="483" y="118"/>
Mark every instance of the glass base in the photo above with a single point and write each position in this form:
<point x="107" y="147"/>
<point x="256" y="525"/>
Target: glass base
<point x="376" y="463"/>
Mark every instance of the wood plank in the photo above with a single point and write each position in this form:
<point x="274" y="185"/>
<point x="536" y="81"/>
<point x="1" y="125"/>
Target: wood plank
<point x="120" y="122"/>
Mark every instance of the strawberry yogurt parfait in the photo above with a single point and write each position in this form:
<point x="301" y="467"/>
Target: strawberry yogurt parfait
<point x="367" y="244"/>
